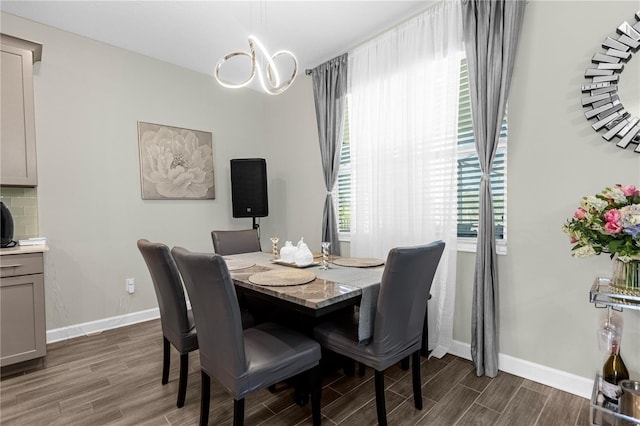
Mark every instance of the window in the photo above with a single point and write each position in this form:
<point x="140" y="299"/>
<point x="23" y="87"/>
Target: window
<point x="343" y="187"/>
<point x="469" y="169"/>
<point x="468" y="174"/>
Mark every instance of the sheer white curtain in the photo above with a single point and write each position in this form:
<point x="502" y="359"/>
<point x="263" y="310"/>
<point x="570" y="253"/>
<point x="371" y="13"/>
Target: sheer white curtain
<point x="403" y="122"/>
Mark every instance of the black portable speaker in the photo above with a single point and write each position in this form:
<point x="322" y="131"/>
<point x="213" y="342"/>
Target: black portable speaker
<point x="249" y="187"/>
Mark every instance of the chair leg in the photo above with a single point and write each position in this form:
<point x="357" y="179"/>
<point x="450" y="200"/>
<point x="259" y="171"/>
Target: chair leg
<point x="380" y="404"/>
<point x="166" y="359"/>
<point x="404" y="364"/>
<point x="301" y="388"/>
<point x="361" y="369"/>
<point x="205" y="395"/>
<point x="349" y="367"/>
<point x="417" y="386"/>
<point x="316" y="394"/>
<point x="182" y="384"/>
<point x="238" y="412"/>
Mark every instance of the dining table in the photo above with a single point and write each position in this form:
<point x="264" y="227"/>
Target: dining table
<point x="319" y="292"/>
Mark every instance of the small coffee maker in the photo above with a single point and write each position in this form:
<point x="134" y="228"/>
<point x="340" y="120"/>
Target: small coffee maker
<point x="6" y="227"/>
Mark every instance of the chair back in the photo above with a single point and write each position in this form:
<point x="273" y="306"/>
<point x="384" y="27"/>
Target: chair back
<point x="169" y="292"/>
<point x="216" y="313"/>
<point x="404" y="290"/>
<point x="235" y="242"/>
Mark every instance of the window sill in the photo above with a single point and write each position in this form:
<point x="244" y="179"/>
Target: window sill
<point x="469" y="245"/>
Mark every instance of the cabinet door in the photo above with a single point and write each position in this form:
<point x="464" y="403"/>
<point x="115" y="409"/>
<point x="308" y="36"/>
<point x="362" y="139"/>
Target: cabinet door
<point x="17" y="119"/>
<point x="22" y="319"/>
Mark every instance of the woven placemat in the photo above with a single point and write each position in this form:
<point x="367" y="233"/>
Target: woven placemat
<point x="358" y="262"/>
<point x="283" y="277"/>
<point x="238" y="264"/>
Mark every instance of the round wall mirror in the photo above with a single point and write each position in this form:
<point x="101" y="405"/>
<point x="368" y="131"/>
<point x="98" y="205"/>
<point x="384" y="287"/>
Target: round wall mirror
<point x="606" y="88"/>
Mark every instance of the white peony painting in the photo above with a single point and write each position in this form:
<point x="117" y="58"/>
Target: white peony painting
<point x="175" y="163"/>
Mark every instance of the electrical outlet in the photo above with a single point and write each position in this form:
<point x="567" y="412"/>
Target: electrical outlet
<point x="130" y="285"/>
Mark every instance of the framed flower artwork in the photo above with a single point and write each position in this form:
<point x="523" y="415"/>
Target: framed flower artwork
<point x="175" y="163"/>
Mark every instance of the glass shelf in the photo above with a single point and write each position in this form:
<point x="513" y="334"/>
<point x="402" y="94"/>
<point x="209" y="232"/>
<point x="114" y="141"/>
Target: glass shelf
<point x="602" y="413"/>
<point x="603" y="294"/>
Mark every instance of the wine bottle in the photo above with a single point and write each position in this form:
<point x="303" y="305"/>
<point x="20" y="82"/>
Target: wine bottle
<point x="613" y="372"/>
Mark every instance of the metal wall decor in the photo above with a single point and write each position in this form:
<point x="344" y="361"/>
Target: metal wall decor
<point x="602" y="88"/>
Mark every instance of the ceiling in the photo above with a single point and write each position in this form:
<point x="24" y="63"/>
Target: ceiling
<point x="196" y="34"/>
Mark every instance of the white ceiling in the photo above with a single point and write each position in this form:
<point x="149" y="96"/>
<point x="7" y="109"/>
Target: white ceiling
<point x="196" y="34"/>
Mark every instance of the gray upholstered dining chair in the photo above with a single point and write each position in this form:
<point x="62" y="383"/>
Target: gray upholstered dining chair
<point x="178" y="327"/>
<point x="235" y="242"/>
<point x="398" y="323"/>
<point x="242" y="361"/>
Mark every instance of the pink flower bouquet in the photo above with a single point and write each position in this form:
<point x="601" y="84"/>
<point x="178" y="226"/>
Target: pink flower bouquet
<point x="608" y="222"/>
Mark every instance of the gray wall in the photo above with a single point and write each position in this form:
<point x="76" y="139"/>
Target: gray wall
<point x="90" y="95"/>
<point x="296" y="184"/>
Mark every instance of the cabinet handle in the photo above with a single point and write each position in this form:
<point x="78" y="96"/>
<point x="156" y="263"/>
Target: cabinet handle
<point x="11" y="266"/>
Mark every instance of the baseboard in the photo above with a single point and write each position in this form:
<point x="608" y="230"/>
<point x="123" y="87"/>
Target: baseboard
<point x="93" y="327"/>
<point x="98" y="326"/>
<point x="558" y="379"/>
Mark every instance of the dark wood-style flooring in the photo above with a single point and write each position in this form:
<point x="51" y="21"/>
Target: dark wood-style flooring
<point x="113" y="378"/>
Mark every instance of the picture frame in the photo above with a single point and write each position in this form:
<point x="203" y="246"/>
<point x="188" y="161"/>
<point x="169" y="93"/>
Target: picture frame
<point x="175" y="163"/>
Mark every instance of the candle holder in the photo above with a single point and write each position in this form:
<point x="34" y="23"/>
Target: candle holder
<point x="325" y="255"/>
<point x="274" y="247"/>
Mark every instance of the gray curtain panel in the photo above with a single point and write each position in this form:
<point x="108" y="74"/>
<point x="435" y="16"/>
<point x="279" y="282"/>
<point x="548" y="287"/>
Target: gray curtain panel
<point x="329" y="92"/>
<point x="491" y="31"/>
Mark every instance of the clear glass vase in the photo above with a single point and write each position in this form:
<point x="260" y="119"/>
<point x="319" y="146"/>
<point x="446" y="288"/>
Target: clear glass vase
<point x="325" y="255"/>
<point x="626" y="274"/>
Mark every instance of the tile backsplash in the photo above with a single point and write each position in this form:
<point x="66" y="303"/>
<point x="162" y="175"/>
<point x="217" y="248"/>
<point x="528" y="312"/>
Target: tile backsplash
<point x="23" y="204"/>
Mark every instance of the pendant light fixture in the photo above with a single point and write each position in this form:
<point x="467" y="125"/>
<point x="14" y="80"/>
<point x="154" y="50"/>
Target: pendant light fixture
<point x="264" y="66"/>
<point x="272" y="84"/>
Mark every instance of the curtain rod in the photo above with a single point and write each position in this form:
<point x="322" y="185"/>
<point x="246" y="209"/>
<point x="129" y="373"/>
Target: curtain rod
<point x="333" y="61"/>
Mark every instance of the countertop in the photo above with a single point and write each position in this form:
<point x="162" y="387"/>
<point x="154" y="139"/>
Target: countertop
<point x="24" y="250"/>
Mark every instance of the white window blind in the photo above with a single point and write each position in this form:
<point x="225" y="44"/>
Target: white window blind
<point x="469" y="169"/>
<point x="343" y="187"/>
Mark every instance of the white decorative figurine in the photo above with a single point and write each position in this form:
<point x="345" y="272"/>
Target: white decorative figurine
<point x="304" y="256"/>
<point x="288" y="252"/>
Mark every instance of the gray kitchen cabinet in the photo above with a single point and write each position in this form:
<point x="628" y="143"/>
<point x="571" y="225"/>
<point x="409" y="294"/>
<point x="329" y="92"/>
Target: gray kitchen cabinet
<point x="22" y="309"/>
<point x="17" y="117"/>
